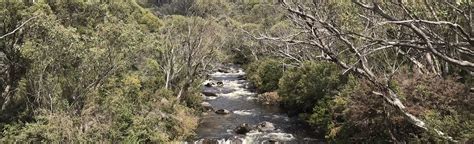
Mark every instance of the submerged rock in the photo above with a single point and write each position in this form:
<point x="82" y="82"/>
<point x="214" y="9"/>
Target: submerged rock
<point x="209" y="94"/>
<point x="243" y="129"/>
<point x="222" y="111"/>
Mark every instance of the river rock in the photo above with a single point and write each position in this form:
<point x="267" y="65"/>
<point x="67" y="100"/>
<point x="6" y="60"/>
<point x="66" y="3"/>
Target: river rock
<point x="220" y="84"/>
<point x="243" y="129"/>
<point x="222" y="111"/>
<point x="209" y="94"/>
<point x="210" y="84"/>
<point x="265" y="126"/>
<point x="206" y="106"/>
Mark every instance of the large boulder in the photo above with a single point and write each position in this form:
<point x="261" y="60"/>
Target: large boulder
<point x="222" y="111"/>
<point x="209" y="94"/>
<point x="265" y="126"/>
<point x="243" y="128"/>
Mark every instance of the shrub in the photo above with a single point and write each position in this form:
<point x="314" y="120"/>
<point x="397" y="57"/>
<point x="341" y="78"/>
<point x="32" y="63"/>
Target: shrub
<point x="265" y="74"/>
<point x="302" y="88"/>
<point x="91" y="79"/>
<point x="356" y="115"/>
<point x="366" y="118"/>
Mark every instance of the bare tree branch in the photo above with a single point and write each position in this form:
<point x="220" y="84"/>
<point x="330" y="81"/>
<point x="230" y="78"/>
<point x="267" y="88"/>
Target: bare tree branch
<point x="18" y="28"/>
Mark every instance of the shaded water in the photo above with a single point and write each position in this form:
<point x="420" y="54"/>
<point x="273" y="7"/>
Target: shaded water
<point x="236" y="97"/>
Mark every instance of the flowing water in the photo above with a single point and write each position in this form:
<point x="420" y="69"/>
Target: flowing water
<point x="236" y="96"/>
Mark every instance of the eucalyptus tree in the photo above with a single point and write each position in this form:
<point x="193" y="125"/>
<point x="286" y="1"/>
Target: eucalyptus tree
<point x="188" y="46"/>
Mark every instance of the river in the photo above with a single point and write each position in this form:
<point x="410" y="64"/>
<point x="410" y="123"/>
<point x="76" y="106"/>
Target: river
<point x="236" y="97"/>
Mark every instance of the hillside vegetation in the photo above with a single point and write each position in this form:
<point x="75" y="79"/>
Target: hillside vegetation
<point x="131" y="70"/>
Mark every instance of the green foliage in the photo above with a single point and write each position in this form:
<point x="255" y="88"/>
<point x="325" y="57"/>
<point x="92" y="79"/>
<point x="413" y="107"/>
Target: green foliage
<point x="94" y="70"/>
<point x="458" y="126"/>
<point x="92" y="74"/>
<point x="265" y="74"/>
<point x="206" y="8"/>
<point x="302" y="88"/>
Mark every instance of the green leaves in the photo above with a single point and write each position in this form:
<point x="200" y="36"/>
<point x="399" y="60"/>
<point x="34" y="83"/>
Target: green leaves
<point x="265" y="74"/>
<point x="93" y="73"/>
<point x="302" y="88"/>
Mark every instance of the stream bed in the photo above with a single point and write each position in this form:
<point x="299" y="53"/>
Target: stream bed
<point x="234" y="95"/>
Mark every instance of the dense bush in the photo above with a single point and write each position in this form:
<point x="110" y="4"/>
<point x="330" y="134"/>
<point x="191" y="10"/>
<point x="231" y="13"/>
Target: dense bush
<point x="357" y="115"/>
<point x="302" y="88"/>
<point x="95" y="71"/>
<point x="90" y="76"/>
<point x="265" y="74"/>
